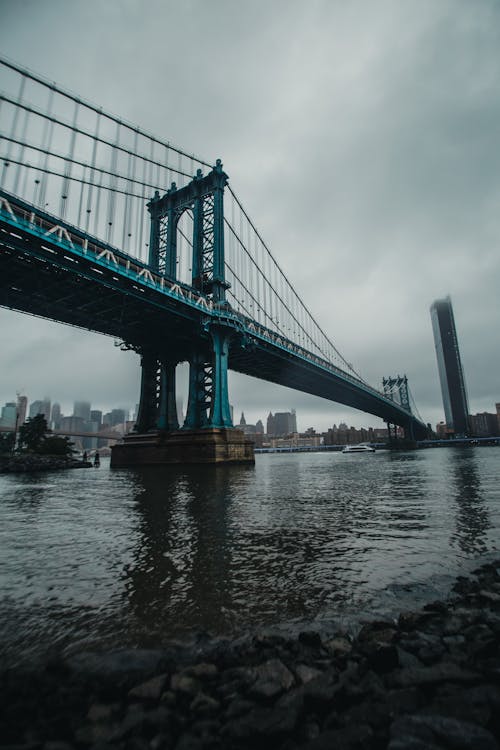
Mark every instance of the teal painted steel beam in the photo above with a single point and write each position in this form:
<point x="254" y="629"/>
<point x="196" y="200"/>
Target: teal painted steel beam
<point x="220" y="411"/>
<point x="167" y="418"/>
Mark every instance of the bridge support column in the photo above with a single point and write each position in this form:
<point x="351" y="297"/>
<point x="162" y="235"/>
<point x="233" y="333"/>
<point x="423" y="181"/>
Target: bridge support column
<point x="167" y="409"/>
<point x="208" y="404"/>
<point x="208" y="435"/>
<point x="200" y="386"/>
<point x="220" y="412"/>
<point x="157" y="404"/>
<point x="146" y="419"/>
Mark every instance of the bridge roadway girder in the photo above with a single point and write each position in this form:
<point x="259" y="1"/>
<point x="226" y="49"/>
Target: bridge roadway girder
<point x="271" y="363"/>
<point x="50" y="284"/>
<point x="42" y="277"/>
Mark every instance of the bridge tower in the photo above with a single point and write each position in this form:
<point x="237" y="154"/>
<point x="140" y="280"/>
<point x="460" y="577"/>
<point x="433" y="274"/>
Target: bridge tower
<point x="208" y="428"/>
<point x="396" y="388"/>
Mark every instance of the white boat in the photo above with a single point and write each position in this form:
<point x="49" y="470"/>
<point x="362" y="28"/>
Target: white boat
<point x="359" y="448"/>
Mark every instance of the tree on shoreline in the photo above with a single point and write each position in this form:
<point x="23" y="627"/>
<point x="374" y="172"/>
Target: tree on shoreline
<point x="33" y="438"/>
<point x="32" y="433"/>
<point x="7" y="441"/>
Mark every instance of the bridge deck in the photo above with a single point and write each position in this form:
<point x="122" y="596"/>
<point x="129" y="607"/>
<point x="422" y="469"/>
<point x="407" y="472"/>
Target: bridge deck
<point x="53" y="270"/>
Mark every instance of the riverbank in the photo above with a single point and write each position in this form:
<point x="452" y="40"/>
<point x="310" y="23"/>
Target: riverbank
<point x="430" y="679"/>
<point x="28" y="462"/>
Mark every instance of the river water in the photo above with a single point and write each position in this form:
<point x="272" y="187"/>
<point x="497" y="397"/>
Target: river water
<point x="95" y="558"/>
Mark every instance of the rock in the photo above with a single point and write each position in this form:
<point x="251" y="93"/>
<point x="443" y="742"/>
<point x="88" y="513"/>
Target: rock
<point x="310" y="638"/>
<point x="381" y="657"/>
<point x="436" y="606"/>
<point x="238" y="707"/>
<point x="406" y="700"/>
<point x="150" y="690"/>
<point x="379" y="630"/>
<point x="204" y="704"/>
<point x="444" y="672"/>
<point x="348" y="738"/>
<point x="321" y="691"/>
<point x="407" y="659"/>
<point x="189" y="741"/>
<point x="202" y="671"/>
<point x="305" y="674"/>
<point x="338" y="647"/>
<point x="442" y="730"/>
<point x="259" y="723"/>
<point x="183" y="683"/>
<point x="113" y="665"/>
<point x="490" y="597"/>
<point x="273" y="678"/>
<point x="102" y="711"/>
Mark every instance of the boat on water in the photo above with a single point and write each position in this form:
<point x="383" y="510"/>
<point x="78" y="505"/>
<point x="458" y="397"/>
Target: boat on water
<point x="359" y="448"/>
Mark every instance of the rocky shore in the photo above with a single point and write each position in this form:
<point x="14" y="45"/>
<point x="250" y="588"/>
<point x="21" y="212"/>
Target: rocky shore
<point x="27" y="462"/>
<point x="428" y="680"/>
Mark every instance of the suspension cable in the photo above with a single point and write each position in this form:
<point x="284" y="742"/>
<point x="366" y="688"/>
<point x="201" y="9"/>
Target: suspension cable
<point x="94" y="108"/>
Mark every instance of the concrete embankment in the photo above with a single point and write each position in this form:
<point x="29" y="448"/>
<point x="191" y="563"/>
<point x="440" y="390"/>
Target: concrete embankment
<point x="27" y="462"/>
<point x="428" y="680"/>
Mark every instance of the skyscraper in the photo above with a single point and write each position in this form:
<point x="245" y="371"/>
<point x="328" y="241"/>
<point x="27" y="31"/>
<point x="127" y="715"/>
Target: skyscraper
<point x="451" y="376"/>
<point x="82" y="409"/>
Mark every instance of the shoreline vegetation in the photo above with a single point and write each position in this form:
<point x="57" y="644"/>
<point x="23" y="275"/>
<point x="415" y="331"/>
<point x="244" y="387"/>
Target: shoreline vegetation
<point x="427" y="680"/>
<point x="34" y="448"/>
<point x="28" y="462"/>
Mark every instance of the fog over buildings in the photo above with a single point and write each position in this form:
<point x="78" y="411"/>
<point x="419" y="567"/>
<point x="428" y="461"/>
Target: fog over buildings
<point x="362" y="139"/>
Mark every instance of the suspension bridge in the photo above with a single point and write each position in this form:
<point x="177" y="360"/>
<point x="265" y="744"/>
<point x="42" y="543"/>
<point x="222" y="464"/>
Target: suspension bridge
<point x="106" y="227"/>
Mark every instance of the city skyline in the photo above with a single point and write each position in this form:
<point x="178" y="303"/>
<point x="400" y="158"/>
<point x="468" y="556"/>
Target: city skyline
<point x="370" y="223"/>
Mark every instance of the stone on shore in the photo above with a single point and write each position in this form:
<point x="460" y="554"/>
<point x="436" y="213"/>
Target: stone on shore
<point x="428" y="681"/>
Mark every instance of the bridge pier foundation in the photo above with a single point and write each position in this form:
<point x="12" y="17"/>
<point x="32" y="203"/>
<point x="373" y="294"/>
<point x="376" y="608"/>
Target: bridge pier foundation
<point x="211" y="445"/>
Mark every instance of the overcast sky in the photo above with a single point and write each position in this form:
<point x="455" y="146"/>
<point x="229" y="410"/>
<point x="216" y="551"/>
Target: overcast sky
<point x="364" y="141"/>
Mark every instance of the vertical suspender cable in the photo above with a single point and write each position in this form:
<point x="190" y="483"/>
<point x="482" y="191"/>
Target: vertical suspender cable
<point x="15" y="117"/>
<point x="46" y="142"/>
<point x="67" y="170"/>
<point x="92" y="170"/>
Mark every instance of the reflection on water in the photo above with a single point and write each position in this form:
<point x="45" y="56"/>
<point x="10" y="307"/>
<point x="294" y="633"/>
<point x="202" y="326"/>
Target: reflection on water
<point x="99" y="557"/>
<point x="180" y="572"/>
<point x="472" y="516"/>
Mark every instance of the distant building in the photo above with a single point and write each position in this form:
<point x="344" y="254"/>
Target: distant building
<point x="344" y="435"/>
<point x="270" y="424"/>
<point x="72" y="424"/>
<point x="282" y="423"/>
<point x="247" y="429"/>
<point x="55" y="416"/>
<point x="115" y="417"/>
<point x="96" y="416"/>
<point x="82" y="409"/>
<point x="451" y="376"/>
<point x="443" y="431"/>
<point x="8" y="415"/>
<point x="22" y="408"/>
<point x="40" y="407"/>
<point x="497" y="407"/>
<point x="484" y="424"/>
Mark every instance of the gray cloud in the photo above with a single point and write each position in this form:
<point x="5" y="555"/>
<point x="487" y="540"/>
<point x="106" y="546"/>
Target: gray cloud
<point x="363" y="140"/>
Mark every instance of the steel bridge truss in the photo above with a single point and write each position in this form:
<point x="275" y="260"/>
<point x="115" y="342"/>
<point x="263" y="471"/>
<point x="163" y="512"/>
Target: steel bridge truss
<point x="208" y="401"/>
